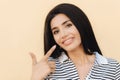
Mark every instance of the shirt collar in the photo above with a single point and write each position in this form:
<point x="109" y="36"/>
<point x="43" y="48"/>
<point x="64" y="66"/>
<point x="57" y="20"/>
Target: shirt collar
<point x="63" y="57"/>
<point x="98" y="61"/>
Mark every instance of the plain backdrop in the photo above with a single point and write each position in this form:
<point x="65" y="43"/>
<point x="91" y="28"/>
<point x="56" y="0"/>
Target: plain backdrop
<point x="22" y="25"/>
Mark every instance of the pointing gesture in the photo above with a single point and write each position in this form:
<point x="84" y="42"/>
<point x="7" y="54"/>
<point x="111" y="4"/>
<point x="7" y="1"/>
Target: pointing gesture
<point x="50" y="52"/>
<point x="44" y="67"/>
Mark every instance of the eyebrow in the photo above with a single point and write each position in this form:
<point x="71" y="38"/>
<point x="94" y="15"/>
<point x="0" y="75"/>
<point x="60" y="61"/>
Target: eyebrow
<point x="65" y="22"/>
<point x="62" y="24"/>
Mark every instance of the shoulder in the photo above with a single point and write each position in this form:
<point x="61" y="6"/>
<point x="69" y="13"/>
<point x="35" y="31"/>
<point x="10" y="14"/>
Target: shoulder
<point x="112" y="61"/>
<point x="111" y="65"/>
<point x="108" y="67"/>
<point x="114" y="64"/>
<point x="100" y="59"/>
<point x="106" y="63"/>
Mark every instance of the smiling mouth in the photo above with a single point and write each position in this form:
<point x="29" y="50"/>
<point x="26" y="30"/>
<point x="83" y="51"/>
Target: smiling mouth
<point x="67" y="41"/>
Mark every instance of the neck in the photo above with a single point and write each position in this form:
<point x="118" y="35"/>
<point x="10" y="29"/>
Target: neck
<point x="78" y="56"/>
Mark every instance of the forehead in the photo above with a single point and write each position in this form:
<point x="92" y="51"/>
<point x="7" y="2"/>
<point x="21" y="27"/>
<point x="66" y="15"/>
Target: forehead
<point x="58" y="20"/>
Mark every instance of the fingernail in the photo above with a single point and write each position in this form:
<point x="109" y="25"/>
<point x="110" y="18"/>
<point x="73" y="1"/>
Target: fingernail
<point x="54" y="46"/>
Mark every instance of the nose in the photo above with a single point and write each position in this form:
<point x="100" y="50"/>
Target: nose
<point x="64" y="34"/>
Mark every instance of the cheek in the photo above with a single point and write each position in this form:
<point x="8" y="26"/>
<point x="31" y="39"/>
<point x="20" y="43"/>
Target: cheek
<point x="57" y="40"/>
<point x="78" y="36"/>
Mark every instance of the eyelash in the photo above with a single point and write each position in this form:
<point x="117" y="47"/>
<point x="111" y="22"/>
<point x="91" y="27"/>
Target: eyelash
<point x="69" y="25"/>
<point x="57" y="31"/>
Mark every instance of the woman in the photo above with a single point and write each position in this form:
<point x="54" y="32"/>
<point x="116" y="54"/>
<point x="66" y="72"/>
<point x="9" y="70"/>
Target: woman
<point x="75" y="54"/>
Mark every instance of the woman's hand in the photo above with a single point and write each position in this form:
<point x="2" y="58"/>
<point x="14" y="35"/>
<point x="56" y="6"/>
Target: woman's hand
<point x="44" y="67"/>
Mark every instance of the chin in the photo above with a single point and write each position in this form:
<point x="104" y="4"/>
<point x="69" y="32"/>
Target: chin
<point x="71" y="48"/>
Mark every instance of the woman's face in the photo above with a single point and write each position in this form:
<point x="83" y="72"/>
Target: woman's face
<point x="65" y="33"/>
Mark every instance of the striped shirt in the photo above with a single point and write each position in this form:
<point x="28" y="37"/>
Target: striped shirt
<point x="103" y="69"/>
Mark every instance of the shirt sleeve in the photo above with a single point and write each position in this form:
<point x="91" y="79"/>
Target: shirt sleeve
<point x="117" y="72"/>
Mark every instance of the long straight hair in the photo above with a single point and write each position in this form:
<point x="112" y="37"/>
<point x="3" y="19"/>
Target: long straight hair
<point x="81" y="22"/>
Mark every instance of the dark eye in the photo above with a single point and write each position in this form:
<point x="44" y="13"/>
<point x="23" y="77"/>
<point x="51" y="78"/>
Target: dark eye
<point x="55" y="32"/>
<point x="69" y="25"/>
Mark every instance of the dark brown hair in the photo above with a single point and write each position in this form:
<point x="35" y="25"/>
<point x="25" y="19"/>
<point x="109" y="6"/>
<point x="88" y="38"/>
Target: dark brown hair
<point x="82" y="23"/>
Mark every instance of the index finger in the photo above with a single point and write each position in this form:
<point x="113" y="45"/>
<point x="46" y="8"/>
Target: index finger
<point x="50" y="52"/>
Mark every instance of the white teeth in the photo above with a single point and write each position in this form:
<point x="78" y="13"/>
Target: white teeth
<point x="68" y="41"/>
